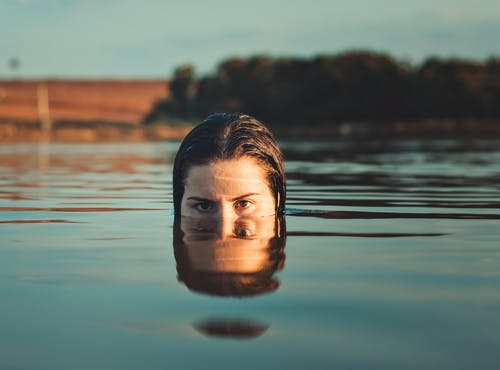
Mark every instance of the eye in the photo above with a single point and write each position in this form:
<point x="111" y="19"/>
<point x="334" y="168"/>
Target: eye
<point x="242" y="233"/>
<point x="204" y="206"/>
<point x="242" y="204"/>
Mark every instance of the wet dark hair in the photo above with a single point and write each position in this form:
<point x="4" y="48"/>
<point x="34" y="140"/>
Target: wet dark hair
<point x="232" y="284"/>
<point x="230" y="136"/>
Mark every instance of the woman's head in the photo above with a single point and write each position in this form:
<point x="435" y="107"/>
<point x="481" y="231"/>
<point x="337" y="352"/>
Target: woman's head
<point x="229" y="163"/>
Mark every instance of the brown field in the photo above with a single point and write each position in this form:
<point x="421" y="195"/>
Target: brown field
<point x="82" y="110"/>
<point x="114" y="101"/>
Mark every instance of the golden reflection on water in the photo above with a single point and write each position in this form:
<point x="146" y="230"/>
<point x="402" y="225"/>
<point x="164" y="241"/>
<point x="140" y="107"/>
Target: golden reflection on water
<point x="43" y="158"/>
<point x="35" y="221"/>
<point x="54" y="177"/>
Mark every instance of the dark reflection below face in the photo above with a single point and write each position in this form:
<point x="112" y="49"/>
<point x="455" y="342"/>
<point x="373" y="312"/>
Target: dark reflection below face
<point x="234" y="328"/>
<point x="229" y="257"/>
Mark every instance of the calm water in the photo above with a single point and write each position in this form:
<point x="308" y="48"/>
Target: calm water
<point x="392" y="262"/>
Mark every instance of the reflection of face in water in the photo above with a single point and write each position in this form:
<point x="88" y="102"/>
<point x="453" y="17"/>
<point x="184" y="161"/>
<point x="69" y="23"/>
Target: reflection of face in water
<point x="229" y="256"/>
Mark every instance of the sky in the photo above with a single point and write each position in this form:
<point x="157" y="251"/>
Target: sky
<point x="149" y="38"/>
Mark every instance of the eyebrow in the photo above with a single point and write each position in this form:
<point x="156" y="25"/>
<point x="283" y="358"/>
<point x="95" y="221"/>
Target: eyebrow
<point x="244" y="196"/>
<point x="200" y="199"/>
<point x="210" y="200"/>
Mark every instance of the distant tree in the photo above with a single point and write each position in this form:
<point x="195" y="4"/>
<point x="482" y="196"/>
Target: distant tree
<point x="367" y="86"/>
<point x="232" y="76"/>
<point x="327" y="89"/>
<point x="491" y="88"/>
<point x="452" y="88"/>
<point x="210" y="96"/>
<point x="183" y="88"/>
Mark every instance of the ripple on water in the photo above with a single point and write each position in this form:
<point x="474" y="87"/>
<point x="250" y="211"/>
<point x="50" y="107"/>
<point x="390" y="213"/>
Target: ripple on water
<point x="392" y="261"/>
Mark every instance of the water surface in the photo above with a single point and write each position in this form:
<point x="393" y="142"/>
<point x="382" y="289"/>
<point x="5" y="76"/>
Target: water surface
<point x="392" y="262"/>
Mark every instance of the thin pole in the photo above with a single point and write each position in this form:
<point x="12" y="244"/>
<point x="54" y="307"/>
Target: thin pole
<point x="43" y="109"/>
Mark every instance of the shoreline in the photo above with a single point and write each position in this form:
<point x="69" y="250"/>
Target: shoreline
<point x="86" y="132"/>
<point x="436" y="128"/>
<point x="104" y="131"/>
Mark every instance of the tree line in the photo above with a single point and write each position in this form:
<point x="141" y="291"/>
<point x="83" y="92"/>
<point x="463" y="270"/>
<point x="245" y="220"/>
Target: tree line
<point x="352" y="86"/>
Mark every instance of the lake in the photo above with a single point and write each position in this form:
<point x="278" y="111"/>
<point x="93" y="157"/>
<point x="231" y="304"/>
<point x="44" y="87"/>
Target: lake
<point x="391" y="260"/>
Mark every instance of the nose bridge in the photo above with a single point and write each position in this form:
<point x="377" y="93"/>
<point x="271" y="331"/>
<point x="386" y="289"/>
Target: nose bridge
<point x="227" y="217"/>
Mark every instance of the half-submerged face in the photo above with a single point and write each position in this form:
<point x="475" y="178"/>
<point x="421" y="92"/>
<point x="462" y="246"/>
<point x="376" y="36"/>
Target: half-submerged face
<point x="229" y="188"/>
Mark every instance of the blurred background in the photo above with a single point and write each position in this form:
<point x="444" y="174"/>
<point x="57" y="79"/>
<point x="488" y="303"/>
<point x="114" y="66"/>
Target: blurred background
<point x="388" y="115"/>
<point x="134" y="70"/>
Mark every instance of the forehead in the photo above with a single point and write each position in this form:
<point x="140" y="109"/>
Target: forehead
<point x="227" y="176"/>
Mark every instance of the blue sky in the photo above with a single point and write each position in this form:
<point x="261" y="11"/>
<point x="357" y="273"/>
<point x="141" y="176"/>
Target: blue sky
<point x="148" y="38"/>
